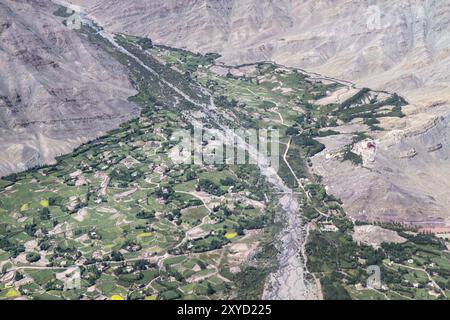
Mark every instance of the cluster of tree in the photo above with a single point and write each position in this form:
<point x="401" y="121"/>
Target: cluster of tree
<point x="145" y="214"/>
<point x="31" y="229"/>
<point x="210" y="187"/>
<point x="123" y="174"/>
<point x="310" y="146"/>
<point x="250" y="282"/>
<point x="369" y="111"/>
<point x="399" y="252"/>
<point x="144" y="265"/>
<point x="91" y="274"/>
<point x="317" y="192"/>
<point x="395" y="100"/>
<point x="354" y="158"/>
<point x="44" y="214"/>
<point x="252" y="223"/>
<point x="170" y="294"/>
<point x="166" y="194"/>
<point x="327" y="133"/>
<point x="427" y="239"/>
<point x="228" y="181"/>
<point x="357" y="98"/>
<point x="292" y="131"/>
<point x="13" y="249"/>
<point x="191" y="175"/>
<point x="131" y="246"/>
<point x="175" y="215"/>
<point x="331" y="251"/>
<point x="145" y="43"/>
<point x="13" y="177"/>
<point x="172" y="272"/>
<point x="333" y="290"/>
<point x="54" y="285"/>
<point x="309" y="212"/>
<point x="223" y="102"/>
<point x="208" y="243"/>
<point x="63" y="12"/>
<point x="116" y="256"/>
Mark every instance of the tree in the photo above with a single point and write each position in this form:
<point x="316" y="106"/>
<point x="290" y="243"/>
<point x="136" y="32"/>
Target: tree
<point x="228" y="181"/>
<point x="334" y="291"/>
<point x="215" y="244"/>
<point x="201" y="264"/>
<point x="143" y="265"/>
<point x="51" y="201"/>
<point x="191" y="175"/>
<point x="116" y="256"/>
<point x="145" y="43"/>
<point x="145" y="214"/>
<point x="31" y="229"/>
<point x="210" y="289"/>
<point x="291" y="131"/>
<point x="18" y="276"/>
<point x="33" y="257"/>
<point x="45" y="214"/>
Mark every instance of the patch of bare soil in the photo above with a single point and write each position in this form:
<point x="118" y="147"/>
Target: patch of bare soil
<point x="374" y="236"/>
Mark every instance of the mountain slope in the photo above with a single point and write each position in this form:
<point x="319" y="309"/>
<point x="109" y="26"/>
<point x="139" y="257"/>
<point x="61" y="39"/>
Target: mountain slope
<point x="57" y="90"/>
<point x="399" y="45"/>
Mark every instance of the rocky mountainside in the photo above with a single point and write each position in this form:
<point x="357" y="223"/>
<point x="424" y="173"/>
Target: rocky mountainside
<point x="398" y="45"/>
<point x="56" y="89"/>
<point x="403" y="176"/>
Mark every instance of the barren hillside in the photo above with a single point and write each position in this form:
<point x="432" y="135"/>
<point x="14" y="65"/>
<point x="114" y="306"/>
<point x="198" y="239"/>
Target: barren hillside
<point x="56" y="90"/>
<point x="400" y="45"/>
